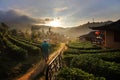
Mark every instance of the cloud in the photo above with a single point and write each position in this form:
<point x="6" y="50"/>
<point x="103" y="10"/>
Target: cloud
<point x="48" y="19"/>
<point x="18" y="19"/>
<point x="60" y="9"/>
<point x="16" y="16"/>
<point x="23" y="11"/>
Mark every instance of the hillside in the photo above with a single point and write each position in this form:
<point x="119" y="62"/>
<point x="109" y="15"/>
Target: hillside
<point x="86" y="61"/>
<point x="17" y="56"/>
<point x="74" y="32"/>
<point x="25" y="22"/>
<point x="84" y="29"/>
<point x="18" y="20"/>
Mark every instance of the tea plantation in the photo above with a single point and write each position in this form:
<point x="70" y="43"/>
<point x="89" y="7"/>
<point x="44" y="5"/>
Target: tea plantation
<point x="87" y="61"/>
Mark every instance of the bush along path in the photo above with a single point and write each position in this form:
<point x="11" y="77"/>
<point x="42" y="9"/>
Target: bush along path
<point x="85" y="61"/>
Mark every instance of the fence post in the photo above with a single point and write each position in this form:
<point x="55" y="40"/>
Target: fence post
<point x="53" y="67"/>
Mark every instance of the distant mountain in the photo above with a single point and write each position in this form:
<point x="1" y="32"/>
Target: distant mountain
<point x="84" y="29"/>
<point x="74" y="32"/>
<point x="13" y="17"/>
<point x="16" y="19"/>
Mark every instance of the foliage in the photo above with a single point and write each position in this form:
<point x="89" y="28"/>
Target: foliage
<point x="76" y="74"/>
<point x="17" y="55"/>
<point x="82" y="45"/>
<point x="30" y="42"/>
<point x="33" y="50"/>
<point x="3" y="29"/>
<point x="14" y="59"/>
<point x="98" y="67"/>
<point x="110" y="56"/>
<point x="90" y="51"/>
<point x="27" y="41"/>
<point x="11" y="55"/>
<point x="72" y="51"/>
<point x="93" y="59"/>
<point x="67" y="59"/>
<point x="14" y="51"/>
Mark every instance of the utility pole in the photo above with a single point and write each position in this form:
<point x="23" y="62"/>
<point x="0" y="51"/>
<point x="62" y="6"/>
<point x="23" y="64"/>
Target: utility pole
<point x="93" y="20"/>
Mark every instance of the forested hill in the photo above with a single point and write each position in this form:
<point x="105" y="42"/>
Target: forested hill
<point x="74" y="32"/>
<point x="84" y="29"/>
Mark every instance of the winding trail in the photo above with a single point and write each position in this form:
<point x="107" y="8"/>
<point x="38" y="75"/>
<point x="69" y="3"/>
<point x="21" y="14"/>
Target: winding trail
<point x="41" y="65"/>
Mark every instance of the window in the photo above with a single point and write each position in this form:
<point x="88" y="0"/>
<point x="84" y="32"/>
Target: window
<point x="117" y="36"/>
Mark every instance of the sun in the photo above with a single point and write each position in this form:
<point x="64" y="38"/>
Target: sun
<point x="55" y="23"/>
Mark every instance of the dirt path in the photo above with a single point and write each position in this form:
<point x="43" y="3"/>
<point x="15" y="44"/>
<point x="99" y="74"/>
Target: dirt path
<point x="40" y="66"/>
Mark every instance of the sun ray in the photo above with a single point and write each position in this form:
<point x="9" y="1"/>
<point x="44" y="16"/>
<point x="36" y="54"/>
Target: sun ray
<point x="55" y="23"/>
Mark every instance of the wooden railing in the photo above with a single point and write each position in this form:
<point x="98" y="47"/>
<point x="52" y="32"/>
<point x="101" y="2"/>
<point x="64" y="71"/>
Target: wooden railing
<point x="54" y="66"/>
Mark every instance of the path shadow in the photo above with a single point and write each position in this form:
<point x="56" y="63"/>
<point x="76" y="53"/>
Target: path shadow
<point x="39" y="70"/>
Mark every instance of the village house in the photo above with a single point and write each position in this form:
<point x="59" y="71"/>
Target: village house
<point x="87" y="37"/>
<point x="111" y="34"/>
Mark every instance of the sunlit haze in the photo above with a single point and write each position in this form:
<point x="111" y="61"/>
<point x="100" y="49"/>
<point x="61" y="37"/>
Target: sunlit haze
<point x="54" y="23"/>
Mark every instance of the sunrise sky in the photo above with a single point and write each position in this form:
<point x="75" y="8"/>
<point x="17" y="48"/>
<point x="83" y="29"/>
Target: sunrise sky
<point x="66" y="12"/>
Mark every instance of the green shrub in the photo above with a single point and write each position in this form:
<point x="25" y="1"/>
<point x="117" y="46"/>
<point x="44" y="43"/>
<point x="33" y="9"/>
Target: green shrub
<point x="111" y="56"/>
<point x="71" y="51"/>
<point x="82" y="45"/>
<point x="75" y="57"/>
<point x="14" y="51"/>
<point x="75" y="74"/>
<point x="30" y="42"/>
<point x="96" y="66"/>
<point x="89" y="51"/>
<point x="67" y="59"/>
<point x="97" y="51"/>
<point x="32" y="50"/>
